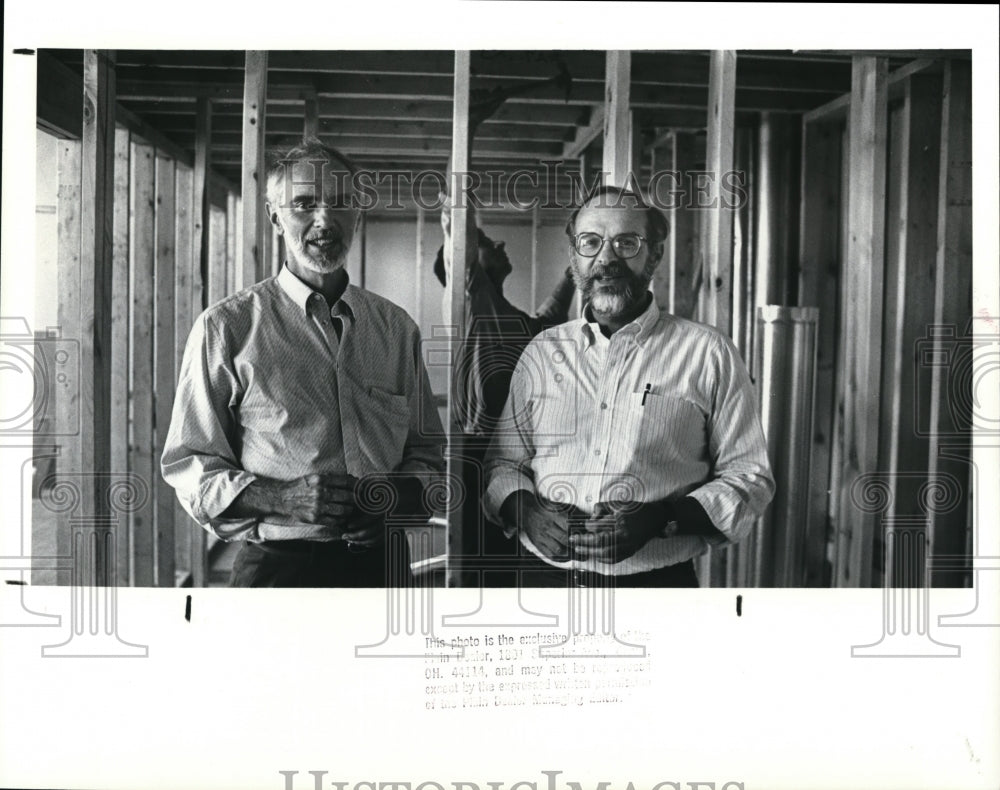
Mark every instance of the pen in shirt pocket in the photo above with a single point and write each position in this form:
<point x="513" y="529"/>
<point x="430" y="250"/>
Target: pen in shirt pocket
<point x="645" y="393"/>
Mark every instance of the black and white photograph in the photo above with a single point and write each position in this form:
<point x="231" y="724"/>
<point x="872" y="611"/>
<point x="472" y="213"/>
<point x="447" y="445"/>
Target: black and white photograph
<point x="691" y="449"/>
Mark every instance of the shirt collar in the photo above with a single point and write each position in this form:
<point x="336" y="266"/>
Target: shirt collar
<point x="300" y="293"/>
<point x="641" y="327"/>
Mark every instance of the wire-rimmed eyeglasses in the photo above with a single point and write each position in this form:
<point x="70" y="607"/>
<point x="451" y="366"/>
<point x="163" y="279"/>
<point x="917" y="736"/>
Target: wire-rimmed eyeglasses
<point x="625" y="245"/>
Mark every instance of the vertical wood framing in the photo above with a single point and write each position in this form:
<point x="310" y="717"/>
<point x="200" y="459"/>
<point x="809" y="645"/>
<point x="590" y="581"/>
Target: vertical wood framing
<point x="68" y="402"/>
<point x="363" y="250"/>
<point x="253" y="228"/>
<point x="96" y="266"/>
<point x="948" y="428"/>
<point x="186" y="307"/>
<point x="910" y="301"/>
<point x="217" y="263"/>
<point x="715" y="305"/>
<point x="120" y="338"/>
<point x="141" y="452"/>
<point x="718" y="236"/>
<point x="456" y="300"/>
<point x="163" y="374"/>
<point x="202" y="163"/>
<point x="535" y="227"/>
<point x="232" y="262"/>
<point x="867" y="126"/>
<point x="820" y="263"/>
<point x="682" y="243"/>
<point x="418" y="274"/>
<point x="617" y="119"/>
<point x="310" y="121"/>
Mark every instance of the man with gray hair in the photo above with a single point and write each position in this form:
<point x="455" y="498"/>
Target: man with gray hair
<point x="298" y="392"/>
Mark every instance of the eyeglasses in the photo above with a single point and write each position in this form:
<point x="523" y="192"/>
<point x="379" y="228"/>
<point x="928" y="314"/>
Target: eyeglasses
<point x="625" y="245"/>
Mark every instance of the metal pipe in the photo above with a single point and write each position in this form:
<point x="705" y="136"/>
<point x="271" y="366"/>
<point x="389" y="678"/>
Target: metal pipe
<point x="785" y="374"/>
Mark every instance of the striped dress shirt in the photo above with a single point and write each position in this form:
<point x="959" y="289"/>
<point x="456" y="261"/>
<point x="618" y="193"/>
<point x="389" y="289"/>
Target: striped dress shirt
<point x="661" y="410"/>
<point x="276" y="383"/>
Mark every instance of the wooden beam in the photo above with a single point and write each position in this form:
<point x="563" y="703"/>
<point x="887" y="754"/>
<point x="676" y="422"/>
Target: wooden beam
<point x="164" y="374"/>
<point x="253" y="188"/>
<point x="310" y="125"/>
<point x="582" y="137"/>
<point x="419" y="269"/>
<point x="535" y="226"/>
<point x="232" y="261"/>
<point x="120" y="298"/>
<point x="819" y="274"/>
<point x="141" y="452"/>
<point x="217" y="281"/>
<point x="717" y="240"/>
<point x="96" y="267"/>
<point x="152" y="135"/>
<point x="950" y="418"/>
<point x="617" y="131"/>
<point x="68" y="403"/>
<point x="200" y="203"/>
<point x="456" y="303"/>
<point x="864" y="285"/>
<point x="186" y="307"/>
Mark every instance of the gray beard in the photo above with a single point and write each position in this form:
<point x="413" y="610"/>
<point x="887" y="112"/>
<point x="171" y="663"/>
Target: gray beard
<point x="613" y="303"/>
<point x="316" y="264"/>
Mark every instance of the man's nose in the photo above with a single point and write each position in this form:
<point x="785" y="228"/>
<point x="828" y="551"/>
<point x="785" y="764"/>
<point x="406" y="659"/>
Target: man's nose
<point x="322" y="216"/>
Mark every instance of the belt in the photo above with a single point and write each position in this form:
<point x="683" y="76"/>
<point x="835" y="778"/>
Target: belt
<point x="307" y="548"/>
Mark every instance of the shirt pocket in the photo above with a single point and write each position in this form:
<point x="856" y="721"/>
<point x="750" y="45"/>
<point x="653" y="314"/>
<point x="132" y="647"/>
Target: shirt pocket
<point x="382" y="432"/>
<point x="667" y="425"/>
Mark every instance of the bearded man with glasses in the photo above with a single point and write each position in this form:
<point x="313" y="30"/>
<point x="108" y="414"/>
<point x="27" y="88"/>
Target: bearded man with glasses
<point x="630" y="442"/>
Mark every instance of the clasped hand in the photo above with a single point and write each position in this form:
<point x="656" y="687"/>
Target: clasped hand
<point x="330" y="500"/>
<point x="612" y="533"/>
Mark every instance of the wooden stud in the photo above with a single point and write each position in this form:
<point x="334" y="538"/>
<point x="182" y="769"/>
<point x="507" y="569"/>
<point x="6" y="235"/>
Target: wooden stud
<point x="864" y="280"/>
<point x="217" y="253"/>
<point x="947" y="431"/>
<point x="232" y="262"/>
<point x="185" y="309"/>
<point x="310" y="127"/>
<point x="120" y="298"/>
<point x="717" y="243"/>
<point x="617" y="120"/>
<point x="68" y="402"/>
<point x="820" y="265"/>
<point x="456" y="301"/>
<point x="682" y="243"/>
<point x="535" y="228"/>
<point x="141" y="452"/>
<point x="253" y="228"/>
<point x="96" y="267"/>
<point x="418" y="276"/>
<point x="202" y="163"/>
<point x="164" y="374"/>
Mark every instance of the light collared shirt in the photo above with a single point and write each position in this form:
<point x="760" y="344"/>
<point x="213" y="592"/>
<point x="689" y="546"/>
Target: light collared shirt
<point x="275" y="383"/>
<point x="662" y="409"/>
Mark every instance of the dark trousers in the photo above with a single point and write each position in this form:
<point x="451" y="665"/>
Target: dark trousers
<point x="306" y="563"/>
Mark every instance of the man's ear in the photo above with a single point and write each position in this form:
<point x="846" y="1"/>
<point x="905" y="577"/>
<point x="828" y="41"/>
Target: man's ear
<point x="272" y="216"/>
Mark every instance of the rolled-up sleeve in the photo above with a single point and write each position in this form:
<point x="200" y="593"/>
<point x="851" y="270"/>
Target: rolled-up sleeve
<point x="199" y="460"/>
<point x="742" y="484"/>
<point x="508" y="459"/>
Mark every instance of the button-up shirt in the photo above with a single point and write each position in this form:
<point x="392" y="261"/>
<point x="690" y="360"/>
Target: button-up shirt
<point x="278" y="384"/>
<point x="662" y="409"/>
